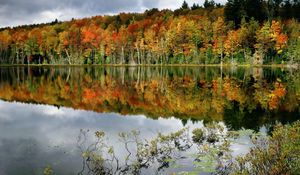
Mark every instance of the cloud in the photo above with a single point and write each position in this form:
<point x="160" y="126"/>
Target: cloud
<point x="19" y="12"/>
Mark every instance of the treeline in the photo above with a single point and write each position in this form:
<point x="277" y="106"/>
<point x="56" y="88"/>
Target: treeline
<point x="242" y="31"/>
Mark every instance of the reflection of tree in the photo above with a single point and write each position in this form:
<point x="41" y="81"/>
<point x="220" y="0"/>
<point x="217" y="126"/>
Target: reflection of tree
<point x="197" y="93"/>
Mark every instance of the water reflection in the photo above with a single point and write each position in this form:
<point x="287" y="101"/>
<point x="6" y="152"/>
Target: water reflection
<point x="242" y="97"/>
<point x="33" y="136"/>
<point x="43" y="109"/>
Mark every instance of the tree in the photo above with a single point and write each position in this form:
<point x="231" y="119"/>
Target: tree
<point x="209" y="4"/>
<point x="236" y="10"/>
<point x="64" y="42"/>
<point x="195" y="6"/>
<point x="219" y="34"/>
<point x="270" y="38"/>
<point x="293" y="30"/>
<point x="185" y="5"/>
<point x="270" y="10"/>
<point x="51" y="42"/>
<point x="278" y="37"/>
<point x="277" y="4"/>
<point x="5" y="41"/>
<point x="91" y="39"/>
<point x="287" y="10"/>
<point x="254" y="9"/>
<point x="247" y="35"/>
<point x="232" y="44"/>
<point x="181" y="36"/>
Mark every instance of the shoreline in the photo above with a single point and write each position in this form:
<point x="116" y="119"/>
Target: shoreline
<point x="295" y="66"/>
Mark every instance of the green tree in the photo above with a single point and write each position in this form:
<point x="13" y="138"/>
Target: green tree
<point x="209" y="4"/>
<point x="195" y="6"/>
<point x="185" y="5"/>
<point x="236" y="10"/>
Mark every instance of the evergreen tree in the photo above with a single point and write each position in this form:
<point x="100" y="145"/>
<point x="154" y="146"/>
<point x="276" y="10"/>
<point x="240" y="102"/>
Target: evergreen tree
<point x="270" y="10"/>
<point x="195" y="6"/>
<point x="184" y="5"/>
<point x="236" y="10"/>
<point x="277" y="5"/>
<point x="254" y="9"/>
<point x="209" y="4"/>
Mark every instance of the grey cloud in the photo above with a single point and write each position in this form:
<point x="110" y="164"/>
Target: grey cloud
<point x="14" y="12"/>
<point x="18" y="12"/>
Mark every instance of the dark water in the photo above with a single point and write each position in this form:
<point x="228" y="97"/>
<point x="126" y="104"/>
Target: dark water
<point x="43" y="109"/>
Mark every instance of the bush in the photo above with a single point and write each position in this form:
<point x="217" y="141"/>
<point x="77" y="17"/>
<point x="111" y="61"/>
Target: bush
<point x="273" y="155"/>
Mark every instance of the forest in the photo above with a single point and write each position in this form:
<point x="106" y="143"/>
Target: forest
<point x="251" y="32"/>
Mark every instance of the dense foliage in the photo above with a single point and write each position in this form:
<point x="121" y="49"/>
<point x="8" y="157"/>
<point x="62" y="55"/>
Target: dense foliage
<point x="273" y="155"/>
<point x="252" y="32"/>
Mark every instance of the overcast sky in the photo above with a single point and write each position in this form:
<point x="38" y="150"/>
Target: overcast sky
<point x="18" y="12"/>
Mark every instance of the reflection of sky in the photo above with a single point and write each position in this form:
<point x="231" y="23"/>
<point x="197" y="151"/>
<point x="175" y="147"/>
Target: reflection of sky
<point x="33" y="136"/>
<point x="41" y="135"/>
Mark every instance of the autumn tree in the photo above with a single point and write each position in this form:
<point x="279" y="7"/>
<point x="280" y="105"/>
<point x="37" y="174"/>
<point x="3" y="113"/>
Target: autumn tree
<point x="232" y="44"/>
<point x="200" y="35"/>
<point x="270" y="38"/>
<point x="219" y="35"/>
<point x="5" y="41"/>
<point x="293" y="30"/>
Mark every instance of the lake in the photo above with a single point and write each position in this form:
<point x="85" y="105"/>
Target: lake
<point x="49" y="114"/>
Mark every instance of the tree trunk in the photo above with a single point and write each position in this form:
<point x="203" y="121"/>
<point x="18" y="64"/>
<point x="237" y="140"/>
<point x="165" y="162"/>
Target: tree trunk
<point x="138" y="52"/>
<point x="69" y="58"/>
<point x="122" y="56"/>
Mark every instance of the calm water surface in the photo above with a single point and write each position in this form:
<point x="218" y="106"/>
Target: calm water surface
<point x="44" y="109"/>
